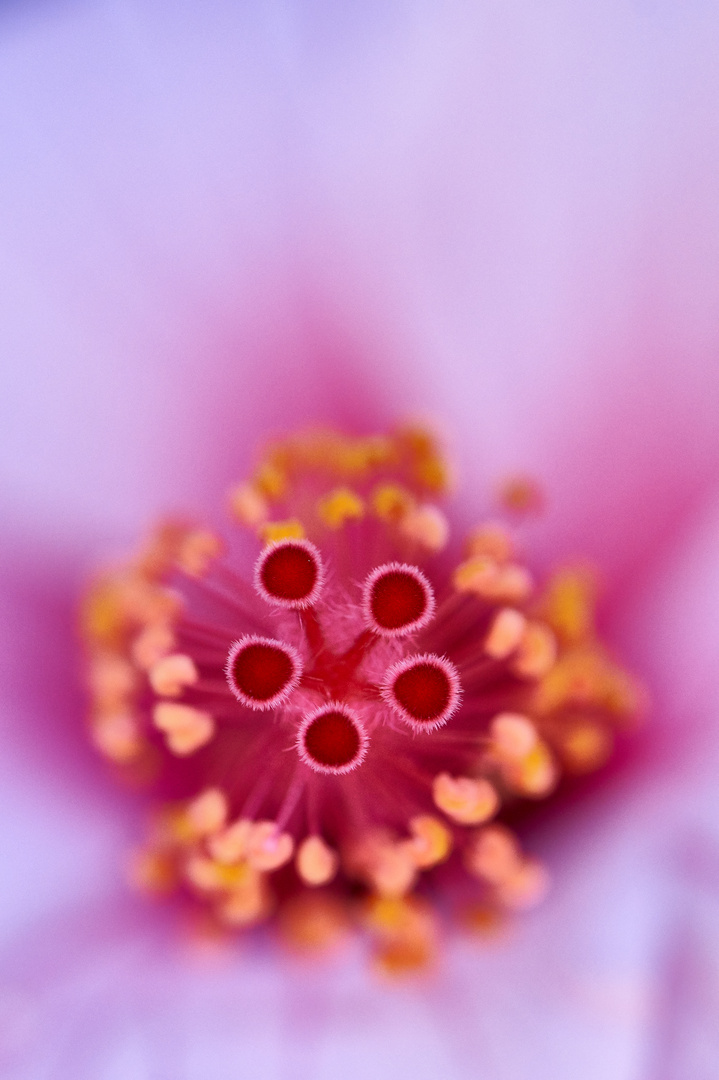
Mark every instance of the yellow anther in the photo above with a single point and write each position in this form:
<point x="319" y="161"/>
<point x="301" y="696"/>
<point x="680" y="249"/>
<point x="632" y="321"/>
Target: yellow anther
<point x="492" y="581"/>
<point x="146" y="604"/>
<point x="513" y="737"/>
<point x="512" y="584"/>
<point x="568" y="604"/>
<point x="153" y="871"/>
<point x="526" y="887"/>
<point x="160" y="550"/>
<point x="585" y="745"/>
<point x="429" y="469"/>
<point x="207" y="812"/>
<point x="247" y="903"/>
<point x="406" y="931"/>
<point x="537" y="652"/>
<point x="293" y="529"/>
<point x="505" y="633"/>
<point x="426" y="525"/>
<point x="475" y="574"/>
<point x="169" y="676"/>
<point x="248" y="505"/>
<point x="483" y="918"/>
<point x="521" y="495"/>
<point x="231" y="845"/>
<point x="493" y="854"/>
<point x="268" y="848"/>
<point x="431" y="841"/>
<point x="313" y="921"/>
<point x="433" y="473"/>
<point x="339" y="507"/>
<point x="197" y="550"/>
<point x="491" y="540"/>
<point x="116" y="735"/>
<point x="586" y="677"/>
<point x="316" y="862"/>
<point x="378" y="450"/>
<point x="186" y="728"/>
<point x="394" y="871"/>
<point x="270" y="481"/>
<point x="392" y="502"/>
<point x="155" y="641"/>
<point x="386" y="865"/>
<point x="210" y="876"/>
<point x="535" y="775"/>
<point x="112" y="682"/>
<point x="103" y="617"/>
<point x="465" y="800"/>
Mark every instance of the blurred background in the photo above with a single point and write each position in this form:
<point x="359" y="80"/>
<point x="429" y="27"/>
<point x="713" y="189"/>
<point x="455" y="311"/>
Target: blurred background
<point x="219" y="222"/>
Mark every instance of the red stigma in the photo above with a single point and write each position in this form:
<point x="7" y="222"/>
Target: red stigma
<point x="423" y="690"/>
<point x="289" y="573"/>
<point x="398" y="600"/>
<point x="262" y="672"/>
<point x="332" y="740"/>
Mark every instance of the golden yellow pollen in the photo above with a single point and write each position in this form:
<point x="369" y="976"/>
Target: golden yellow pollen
<point x="585" y="745"/>
<point x="313" y="921"/>
<point x="248" y="506"/>
<point x="196" y="552"/>
<point x="102" y="615"/>
<point x="386" y="865"/>
<point x="270" y="481"/>
<point x="465" y="800"/>
<point x="231" y="845"/>
<point x="491" y="540"/>
<point x="316" y="862"/>
<point x="339" y="507"/>
<point x="207" y="812"/>
<point x="568" y="604"/>
<point x="426" y="525"/>
<point x="429" y="468"/>
<point x="154" y="642"/>
<point x="541" y="699"/>
<point x="112" y="682"/>
<point x="535" y="775"/>
<point x="521" y="495"/>
<point x="513" y="736"/>
<point x="431" y="841"/>
<point x="526" y="887"/>
<point x="186" y="728"/>
<point x="475" y="574"/>
<point x="486" y="578"/>
<point x="293" y="529"/>
<point x="505" y="633"/>
<point x="170" y="675"/>
<point x="391" y="502"/>
<point x="116" y="736"/>
<point x="268" y="848"/>
<point x="153" y="871"/>
<point x="406" y="933"/>
<point x="493" y="854"/>
<point x="537" y="652"/>
<point x="586" y="677"/>
<point x="210" y="876"/>
<point x="247" y="903"/>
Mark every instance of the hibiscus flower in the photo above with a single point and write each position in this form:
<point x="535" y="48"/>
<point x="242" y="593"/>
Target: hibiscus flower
<point x="215" y="228"/>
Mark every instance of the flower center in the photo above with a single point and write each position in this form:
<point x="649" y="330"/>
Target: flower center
<point x="346" y="728"/>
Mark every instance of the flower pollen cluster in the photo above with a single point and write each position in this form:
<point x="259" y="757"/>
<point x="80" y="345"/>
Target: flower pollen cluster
<point x="339" y="716"/>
